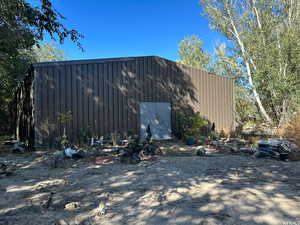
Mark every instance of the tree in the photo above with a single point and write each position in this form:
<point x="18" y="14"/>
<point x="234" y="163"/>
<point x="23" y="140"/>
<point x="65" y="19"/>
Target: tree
<point x="265" y="36"/>
<point x="23" y="26"/>
<point x="226" y="64"/>
<point x="47" y="52"/>
<point x="191" y="52"/>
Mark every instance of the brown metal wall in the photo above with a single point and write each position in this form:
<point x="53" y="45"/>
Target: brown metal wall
<point x="105" y="94"/>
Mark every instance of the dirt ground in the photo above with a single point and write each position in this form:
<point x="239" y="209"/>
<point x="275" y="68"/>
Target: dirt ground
<point x="221" y="189"/>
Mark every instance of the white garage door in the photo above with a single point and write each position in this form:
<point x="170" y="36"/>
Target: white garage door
<point x="158" y="116"/>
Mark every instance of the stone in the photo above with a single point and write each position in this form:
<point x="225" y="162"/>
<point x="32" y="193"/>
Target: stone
<point x="201" y="152"/>
<point x="61" y="222"/>
<point x="72" y="206"/>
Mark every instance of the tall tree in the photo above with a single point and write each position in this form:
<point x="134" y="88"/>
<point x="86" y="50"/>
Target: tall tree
<point x="191" y="52"/>
<point x="22" y="26"/>
<point x="265" y="35"/>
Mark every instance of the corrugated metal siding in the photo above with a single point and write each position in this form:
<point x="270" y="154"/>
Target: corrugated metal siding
<point x="105" y="94"/>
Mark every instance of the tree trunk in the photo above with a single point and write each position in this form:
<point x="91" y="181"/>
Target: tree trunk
<point x="249" y="72"/>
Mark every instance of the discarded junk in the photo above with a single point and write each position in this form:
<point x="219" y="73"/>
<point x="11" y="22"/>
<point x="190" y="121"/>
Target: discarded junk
<point x="273" y="148"/>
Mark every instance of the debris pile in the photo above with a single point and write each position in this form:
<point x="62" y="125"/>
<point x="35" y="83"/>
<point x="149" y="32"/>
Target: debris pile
<point x="279" y="149"/>
<point x="59" y="158"/>
<point x="271" y="148"/>
<point x="6" y="169"/>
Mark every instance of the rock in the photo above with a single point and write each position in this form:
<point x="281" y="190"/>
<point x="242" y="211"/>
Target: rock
<point x="173" y="196"/>
<point x="61" y="222"/>
<point x="294" y="154"/>
<point x="72" y="206"/>
<point x="201" y="152"/>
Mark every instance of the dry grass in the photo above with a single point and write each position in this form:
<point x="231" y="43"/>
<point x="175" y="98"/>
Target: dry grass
<point x="291" y="130"/>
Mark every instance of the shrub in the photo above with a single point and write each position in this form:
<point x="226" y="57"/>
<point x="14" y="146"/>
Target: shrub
<point x="190" y="126"/>
<point x="291" y="130"/>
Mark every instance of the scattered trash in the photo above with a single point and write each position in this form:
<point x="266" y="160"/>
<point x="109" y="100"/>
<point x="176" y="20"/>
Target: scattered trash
<point x="262" y="154"/>
<point x="18" y="147"/>
<point x="5" y="171"/>
<point x="60" y="154"/>
<point x="101" y="209"/>
<point x="11" y="142"/>
<point x="130" y="158"/>
<point x="123" y="142"/>
<point x="190" y="141"/>
<point x="113" y="150"/>
<point x="70" y="152"/>
<point x="279" y="149"/>
<point x="72" y="206"/>
<point x="149" y="158"/>
<point x="201" y="152"/>
<point x="79" y="155"/>
<point x="103" y="159"/>
<point x="250" y="151"/>
<point x="150" y="149"/>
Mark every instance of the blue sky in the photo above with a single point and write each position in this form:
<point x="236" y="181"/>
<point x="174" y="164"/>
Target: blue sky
<point x="117" y="28"/>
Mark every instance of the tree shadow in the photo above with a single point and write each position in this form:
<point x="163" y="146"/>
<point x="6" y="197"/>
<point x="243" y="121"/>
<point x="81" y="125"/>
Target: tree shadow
<point x="224" y="189"/>
<point x="105" y="95"/>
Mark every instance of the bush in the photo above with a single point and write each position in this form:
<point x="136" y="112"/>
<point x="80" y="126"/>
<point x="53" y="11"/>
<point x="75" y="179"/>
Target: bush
<point x="190" y="126"/>
<point x="291" y="130"/>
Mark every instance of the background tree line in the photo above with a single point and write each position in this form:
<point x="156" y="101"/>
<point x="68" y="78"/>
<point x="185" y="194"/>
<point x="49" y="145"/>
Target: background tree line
<point x="22" y="30"/>
<point x="263" y="57"/>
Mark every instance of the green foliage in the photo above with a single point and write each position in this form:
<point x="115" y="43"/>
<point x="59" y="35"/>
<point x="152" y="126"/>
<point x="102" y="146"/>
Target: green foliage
<point x="23" y="26"/>
<point x="135" y="145"/>
<point x="190" y="125"/>
<point x="265" y="52"/>
<point x="64" y="141"/>
<point x="245" y="110"/>
<point x="191" y="53"/>
<point x="85" y="135"/>
<point x="196" y="123"/>
<point x="47" y="52"/>
<point x="65" y="118"/>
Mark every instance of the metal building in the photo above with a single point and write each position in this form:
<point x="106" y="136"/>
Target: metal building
<point x="117" y="95"/>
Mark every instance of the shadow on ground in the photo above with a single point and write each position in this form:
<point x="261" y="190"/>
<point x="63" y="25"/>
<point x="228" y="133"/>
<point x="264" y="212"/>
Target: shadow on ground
<point x="224" y="189"/>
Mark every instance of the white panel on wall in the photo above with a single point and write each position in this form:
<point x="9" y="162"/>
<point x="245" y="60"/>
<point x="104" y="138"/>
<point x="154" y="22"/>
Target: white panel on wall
<point x="158" y="116"/>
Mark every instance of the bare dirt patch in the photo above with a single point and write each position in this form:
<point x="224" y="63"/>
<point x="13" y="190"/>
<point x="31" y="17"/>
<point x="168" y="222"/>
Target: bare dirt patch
<point x="221" y="189"/>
